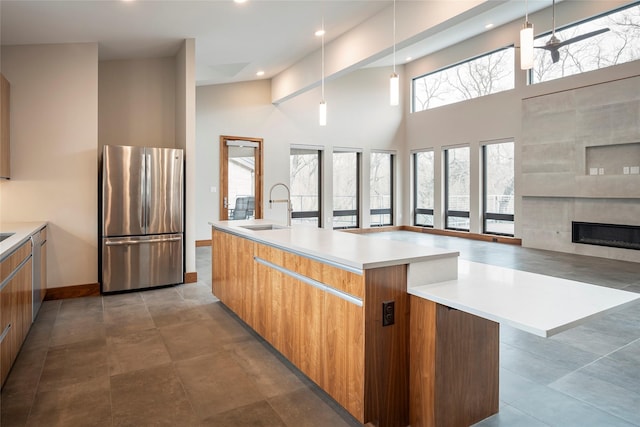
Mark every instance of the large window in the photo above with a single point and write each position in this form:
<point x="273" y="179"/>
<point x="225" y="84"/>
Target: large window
<point x="423" y="188"/>
<point x="305" y="168"/>
<point x="618" y="45"/>
<point x="346" y="193"/>
<point x="457" y="188"/>
<point x="483" y="75"/>
<point x="498" y="188"/>
<point x="381" y="189"/>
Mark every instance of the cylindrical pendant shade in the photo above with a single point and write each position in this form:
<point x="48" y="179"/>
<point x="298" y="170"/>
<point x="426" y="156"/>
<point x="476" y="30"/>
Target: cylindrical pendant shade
<point x="323" y="113"/>
<point x="526" y="46"/>
<point x="394" y="89"/>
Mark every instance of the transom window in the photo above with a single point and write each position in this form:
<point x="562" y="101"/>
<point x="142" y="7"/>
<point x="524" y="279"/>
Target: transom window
<point x="483" y="75"/>
<point x="618" y="45"/>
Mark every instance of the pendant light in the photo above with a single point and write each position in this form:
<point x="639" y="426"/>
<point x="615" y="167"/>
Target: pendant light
<point x="526" y="42"/>
<point x="394" y="80"/>
<point x="323" y="104"/>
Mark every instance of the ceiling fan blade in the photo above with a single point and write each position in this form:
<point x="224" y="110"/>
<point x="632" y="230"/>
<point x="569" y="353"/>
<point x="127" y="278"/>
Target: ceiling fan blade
<point x="582" y="37"/>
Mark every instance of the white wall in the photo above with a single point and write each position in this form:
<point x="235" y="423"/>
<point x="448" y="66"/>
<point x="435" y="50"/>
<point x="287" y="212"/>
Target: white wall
<point x="186" y="139"/>
<point x="359" y="116"/>
<point x="54" y="141"/>
<point x="136" y="100"/>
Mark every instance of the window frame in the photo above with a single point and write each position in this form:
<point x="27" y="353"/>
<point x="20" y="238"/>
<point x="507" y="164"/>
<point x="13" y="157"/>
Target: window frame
<point x="311" y="214"/>
<point x="453" y="213"/>
<point x="349" y="212"/>
<point x="385" y="211"/>
<point x="492" y="215"/>
<point x="416" y="210"/>
<point x="457" y="64"/>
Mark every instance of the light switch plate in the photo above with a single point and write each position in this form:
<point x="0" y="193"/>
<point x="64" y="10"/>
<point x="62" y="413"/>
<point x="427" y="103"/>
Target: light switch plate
<point x="593" y="171"/>
<point x="634" y="170"/>
<point x="601" y="171"/>
<point x="625" y="170"/>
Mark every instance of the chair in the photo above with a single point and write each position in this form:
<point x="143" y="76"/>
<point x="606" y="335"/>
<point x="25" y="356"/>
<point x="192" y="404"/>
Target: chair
<point x="241" y="209"/>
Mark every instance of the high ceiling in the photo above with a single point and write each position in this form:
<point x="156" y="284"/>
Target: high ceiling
<point x="233" y="41"/>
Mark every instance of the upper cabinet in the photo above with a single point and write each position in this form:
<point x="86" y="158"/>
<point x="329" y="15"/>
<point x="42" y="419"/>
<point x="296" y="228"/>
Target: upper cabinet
<point x="5" y="164"/>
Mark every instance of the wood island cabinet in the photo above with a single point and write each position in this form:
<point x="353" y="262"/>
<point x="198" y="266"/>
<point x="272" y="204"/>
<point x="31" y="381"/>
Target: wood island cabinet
<point x="324" y="319"/>
<point x="15" y="305"/>
<point x="5" y="158"/>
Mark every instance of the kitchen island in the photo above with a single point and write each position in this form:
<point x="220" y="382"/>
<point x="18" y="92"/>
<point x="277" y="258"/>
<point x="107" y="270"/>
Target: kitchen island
<point x="334" y="304"/>
<point x="321" y="298"/>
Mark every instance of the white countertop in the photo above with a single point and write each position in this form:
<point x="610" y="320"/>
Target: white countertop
<point x="22" y="231"/>
<point x="541" y="305"/>
<point x="342" y="248"/>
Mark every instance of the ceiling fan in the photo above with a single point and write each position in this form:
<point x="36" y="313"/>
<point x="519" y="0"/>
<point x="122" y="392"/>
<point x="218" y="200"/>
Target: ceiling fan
<point x="554" y="43"/>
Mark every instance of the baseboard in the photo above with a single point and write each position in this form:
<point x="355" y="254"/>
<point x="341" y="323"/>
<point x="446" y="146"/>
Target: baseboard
<point x="88" y="290"/>
<point x="200" y="243"/>
<point x="465" y="235"/>
<point x="191" y="277"/>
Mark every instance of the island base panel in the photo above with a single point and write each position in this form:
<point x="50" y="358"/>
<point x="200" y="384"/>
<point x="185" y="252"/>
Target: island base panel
<point x="454" y="366"/>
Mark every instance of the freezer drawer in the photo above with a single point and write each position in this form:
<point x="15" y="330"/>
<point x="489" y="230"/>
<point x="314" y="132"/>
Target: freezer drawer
<point x="141" y="262"/>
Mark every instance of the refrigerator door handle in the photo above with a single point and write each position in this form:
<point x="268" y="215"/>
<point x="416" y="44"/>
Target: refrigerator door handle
<point x="139" y="242"/>
<point x="147" y="190"/>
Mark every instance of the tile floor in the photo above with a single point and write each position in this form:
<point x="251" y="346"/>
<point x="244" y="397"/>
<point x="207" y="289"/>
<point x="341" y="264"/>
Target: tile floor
<point x="177" y="357"/>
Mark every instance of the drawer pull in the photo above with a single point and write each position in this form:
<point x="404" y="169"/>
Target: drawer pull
<point x="5" y="332"/>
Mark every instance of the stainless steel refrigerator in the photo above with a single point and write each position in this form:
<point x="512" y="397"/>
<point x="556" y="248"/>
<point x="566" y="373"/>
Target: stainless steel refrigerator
<point x="142" y="217"/>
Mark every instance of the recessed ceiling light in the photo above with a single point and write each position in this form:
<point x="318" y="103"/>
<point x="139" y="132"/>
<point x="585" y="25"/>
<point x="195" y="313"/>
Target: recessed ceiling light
<point x="319" y="33"/>
<point x="488" y="26"/>
<point x="409" y="58"/>
<point x="260" y="73"/>
<point x="239" y="1"/>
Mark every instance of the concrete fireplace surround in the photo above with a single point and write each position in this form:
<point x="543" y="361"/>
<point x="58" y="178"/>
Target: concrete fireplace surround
<point x="580" y="150"/>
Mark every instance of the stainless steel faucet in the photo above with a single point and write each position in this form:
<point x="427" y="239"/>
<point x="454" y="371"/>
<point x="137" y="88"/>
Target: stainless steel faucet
<point x="287" y="200"/>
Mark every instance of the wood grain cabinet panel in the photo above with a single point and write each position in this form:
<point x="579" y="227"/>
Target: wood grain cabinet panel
<point x="5" y="134"/>
<point x="454" y="366"/>
<point x="340" y="345"/>
<point x="16" y="305"/>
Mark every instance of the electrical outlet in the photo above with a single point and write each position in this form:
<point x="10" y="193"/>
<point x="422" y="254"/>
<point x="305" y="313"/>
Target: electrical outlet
<point x="388" y="313"/>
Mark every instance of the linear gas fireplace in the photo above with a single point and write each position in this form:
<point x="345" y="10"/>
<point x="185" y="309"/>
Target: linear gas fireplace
<point x="613" y="235"/>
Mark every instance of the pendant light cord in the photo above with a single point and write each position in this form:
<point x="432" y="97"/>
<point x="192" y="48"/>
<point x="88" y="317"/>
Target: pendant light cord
<point x="323" y="55"/>
<point x="394" y="36"/>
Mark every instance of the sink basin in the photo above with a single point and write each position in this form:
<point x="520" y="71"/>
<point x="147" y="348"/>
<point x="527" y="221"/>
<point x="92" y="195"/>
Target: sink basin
<point x="260" y="227"/>
<point x="5" y="236"/>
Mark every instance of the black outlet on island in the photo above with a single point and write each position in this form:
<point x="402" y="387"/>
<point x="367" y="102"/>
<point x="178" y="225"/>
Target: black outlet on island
<point x="388" y="313"/>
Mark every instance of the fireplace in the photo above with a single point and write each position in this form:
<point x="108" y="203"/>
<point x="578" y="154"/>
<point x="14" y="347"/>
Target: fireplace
<point x="613" y="235"/>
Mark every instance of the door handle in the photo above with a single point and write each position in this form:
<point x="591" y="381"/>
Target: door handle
<point x="140" y="242"/>
<point x="225" y="202"/>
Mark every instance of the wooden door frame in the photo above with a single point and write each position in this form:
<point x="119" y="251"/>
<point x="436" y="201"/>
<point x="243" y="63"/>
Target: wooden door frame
<point x="224" y="173"/>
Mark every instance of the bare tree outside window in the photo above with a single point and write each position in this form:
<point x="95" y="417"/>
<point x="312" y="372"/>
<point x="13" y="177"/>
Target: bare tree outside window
<point x="424" y="187"/>
<point x="304" y="178"/>
<point x="484" y="75"/>
<point x="346" y="175"/>
<point x="619" y="45"/>
<point x="381" y="189"/>
<point x="458" y="187"/>
<point x="499" y="188"/>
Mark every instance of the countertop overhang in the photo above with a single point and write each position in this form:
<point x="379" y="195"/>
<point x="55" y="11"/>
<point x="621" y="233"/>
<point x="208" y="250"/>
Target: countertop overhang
<point x="348" y="250"/>
<point x="22" y="231"/>
<point x="535" y="303"/>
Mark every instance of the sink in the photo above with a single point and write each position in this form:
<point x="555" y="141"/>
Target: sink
<point x="260" y="227"/>
<point x="4" y="236"/>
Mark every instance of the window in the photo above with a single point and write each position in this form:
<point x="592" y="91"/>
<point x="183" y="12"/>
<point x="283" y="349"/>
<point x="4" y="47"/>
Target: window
<point x="483" y="75"/>
<point x="381" y="189"/>
<point x="423" y="188"/>
<point x="305" y="178"/>
<point x="457" y="188"/>
<point x="498" y="188"/>
<point x="346" y="185"/>
<point x="619" y="45"/>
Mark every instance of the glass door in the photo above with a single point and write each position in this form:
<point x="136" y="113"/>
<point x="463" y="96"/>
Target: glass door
<point x="240" y="178"/>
